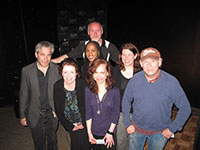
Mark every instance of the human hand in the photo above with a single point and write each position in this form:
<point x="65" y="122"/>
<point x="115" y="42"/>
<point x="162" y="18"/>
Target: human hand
<point x="167" y="133"/>
<point x="92" y="140"/>
<point x="109" y="140"/>
<point x="78" y="126"/>
<point x="131" y="129"/>
<point x="54" y="114"/>
<point x="23" y="122"/>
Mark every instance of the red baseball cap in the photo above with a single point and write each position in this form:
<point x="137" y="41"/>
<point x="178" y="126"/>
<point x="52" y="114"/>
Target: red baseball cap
<point x="149" y="52"/>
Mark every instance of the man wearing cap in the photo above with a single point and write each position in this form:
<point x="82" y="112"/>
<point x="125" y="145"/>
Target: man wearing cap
<point x="153" y="92"/>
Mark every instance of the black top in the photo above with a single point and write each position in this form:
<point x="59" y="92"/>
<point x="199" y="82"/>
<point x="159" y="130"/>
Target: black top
<point x="106" y="48"/>
<point x="121" y="82"/>
<point x="84" y="70"/>
<point x="43" y="88"/>
<point x="59" y="102"/>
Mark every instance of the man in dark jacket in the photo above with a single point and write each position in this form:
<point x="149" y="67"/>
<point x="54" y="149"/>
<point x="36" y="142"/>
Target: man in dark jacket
<point x="36" y="97"/>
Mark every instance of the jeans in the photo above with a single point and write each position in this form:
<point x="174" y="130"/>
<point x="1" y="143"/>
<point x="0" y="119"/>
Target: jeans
<point x="45" y="130"/>
<point x="155" y="142"/>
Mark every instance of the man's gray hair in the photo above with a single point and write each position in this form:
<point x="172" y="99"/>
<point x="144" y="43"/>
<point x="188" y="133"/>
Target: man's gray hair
<point x="44" y="44"/>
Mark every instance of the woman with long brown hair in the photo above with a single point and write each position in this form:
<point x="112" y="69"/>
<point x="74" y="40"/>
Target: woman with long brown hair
<point x="102" y="106"/>
<point x="127" y="65"/>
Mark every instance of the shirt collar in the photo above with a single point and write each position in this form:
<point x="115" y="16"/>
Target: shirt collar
<point x="155" y="79"/>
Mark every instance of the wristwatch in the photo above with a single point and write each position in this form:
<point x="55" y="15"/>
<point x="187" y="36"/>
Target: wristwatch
<point x="111" y="133"/>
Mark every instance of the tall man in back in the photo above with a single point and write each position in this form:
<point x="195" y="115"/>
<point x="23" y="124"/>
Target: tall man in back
<point x="36" y="97"/>
<point x="107" y="49"/>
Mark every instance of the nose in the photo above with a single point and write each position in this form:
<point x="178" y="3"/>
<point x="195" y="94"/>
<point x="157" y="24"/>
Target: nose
<point x="95" y="32"/>
<point x="98" y="76"/>
<point x="149" y="64"/>
<point x="89" y="53"/>
<point x="126" y="57"/>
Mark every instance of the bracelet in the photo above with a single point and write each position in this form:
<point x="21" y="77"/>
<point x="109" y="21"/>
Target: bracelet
<point x="111" y="133"/>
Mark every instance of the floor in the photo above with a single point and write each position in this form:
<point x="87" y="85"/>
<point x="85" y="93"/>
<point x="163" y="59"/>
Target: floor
<point x="185" y="140"/>
<point x="15" y="137"/>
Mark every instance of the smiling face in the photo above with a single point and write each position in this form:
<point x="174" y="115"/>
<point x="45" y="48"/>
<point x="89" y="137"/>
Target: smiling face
<point x="91" y="52"/>
<point x="43" y="57"/>
<point x="100" y="74"/>
<point x="128" y="57"/>
<point x="69" y="74"/>
<point x="151" y="67"/>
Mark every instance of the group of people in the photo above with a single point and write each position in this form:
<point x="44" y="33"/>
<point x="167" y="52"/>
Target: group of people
<point x="101" y="105"/>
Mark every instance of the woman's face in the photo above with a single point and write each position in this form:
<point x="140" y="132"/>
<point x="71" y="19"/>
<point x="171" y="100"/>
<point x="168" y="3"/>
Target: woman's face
<point x="91" y="52"/>
<point x="69" y="74"/>
<point x="128" y="57"/>
<point x="100" y="74"/>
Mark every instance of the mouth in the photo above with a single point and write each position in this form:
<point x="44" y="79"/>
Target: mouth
<point x="90" y="57"/>
<point x="126" y="62"/>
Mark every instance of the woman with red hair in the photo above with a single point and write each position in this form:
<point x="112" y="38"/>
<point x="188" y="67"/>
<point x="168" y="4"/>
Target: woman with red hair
<point x="102" y="103"/>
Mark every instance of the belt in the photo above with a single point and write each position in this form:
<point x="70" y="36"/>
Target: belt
<point x="44" y="110"/>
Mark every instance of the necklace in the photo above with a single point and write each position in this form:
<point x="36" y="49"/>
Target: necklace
<point x="99" y="103"/>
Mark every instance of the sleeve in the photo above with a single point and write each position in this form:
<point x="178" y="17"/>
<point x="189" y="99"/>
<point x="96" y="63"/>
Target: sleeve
<point x="23" y="94"/>
<point x="126" y="104"/>
<point x="88" y="109"/>
<point x="59" y="109"/>
<point x="183" y="105"/>
<point x="77" y="52"/>
<point x="81" y="98"/>
<point x="114" y="52"/>
<point x="116" y="108"/>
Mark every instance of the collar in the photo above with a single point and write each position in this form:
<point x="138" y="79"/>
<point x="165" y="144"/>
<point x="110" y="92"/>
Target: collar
<point x="155" y="79"/>
<point x="102" y="45"/>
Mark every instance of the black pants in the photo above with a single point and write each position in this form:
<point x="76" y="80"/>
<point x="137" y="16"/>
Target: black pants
<point x="102" y="146"/>
<point x="45" y="132"/>
<point x="79" y="140"/>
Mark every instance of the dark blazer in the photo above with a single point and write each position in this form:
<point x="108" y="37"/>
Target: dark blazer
<point x="29" y="92"/>
<point x="59" y="101"/>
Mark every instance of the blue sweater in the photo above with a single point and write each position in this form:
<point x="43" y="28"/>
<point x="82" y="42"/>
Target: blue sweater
<point x="152" y="106"/>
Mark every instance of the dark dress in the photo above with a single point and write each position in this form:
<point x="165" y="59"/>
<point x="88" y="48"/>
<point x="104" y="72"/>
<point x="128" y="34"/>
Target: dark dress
<point x="79" y="138"/>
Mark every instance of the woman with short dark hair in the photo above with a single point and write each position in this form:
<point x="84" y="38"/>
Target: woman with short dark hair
<point x="69" y="100"/>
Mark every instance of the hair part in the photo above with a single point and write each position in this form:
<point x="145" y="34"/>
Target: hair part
<point x="70" y="62"/>
<point x="92" y="85"/>
<point x="135" y="51"/>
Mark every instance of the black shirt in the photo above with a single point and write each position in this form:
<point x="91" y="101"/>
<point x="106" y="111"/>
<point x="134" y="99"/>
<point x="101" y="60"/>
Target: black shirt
<point x="108" y="51"/>
<point x="43" y="88"/>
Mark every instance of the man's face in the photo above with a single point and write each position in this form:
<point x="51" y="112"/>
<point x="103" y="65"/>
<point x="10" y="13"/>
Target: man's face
<point x="95" y="31"/>
<point x="43" y="56"/>
<point x="151" y="66"/>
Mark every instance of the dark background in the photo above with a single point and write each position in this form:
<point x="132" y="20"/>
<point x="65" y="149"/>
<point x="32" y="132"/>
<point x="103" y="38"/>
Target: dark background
<point x="172" y="29"/>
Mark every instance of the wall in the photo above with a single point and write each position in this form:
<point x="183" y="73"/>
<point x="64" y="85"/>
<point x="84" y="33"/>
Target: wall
<point x="173" y="29"/>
